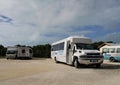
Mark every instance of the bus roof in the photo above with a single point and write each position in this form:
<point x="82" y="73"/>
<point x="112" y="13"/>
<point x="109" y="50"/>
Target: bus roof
<point x="75" y="39"/>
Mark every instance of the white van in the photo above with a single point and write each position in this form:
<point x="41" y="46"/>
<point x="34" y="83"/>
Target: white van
<point x="111" y="53"/>
<point x="76" y="50"/>
<point x="19" y="52"/>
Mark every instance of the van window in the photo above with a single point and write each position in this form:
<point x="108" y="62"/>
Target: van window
<point x="105" y="50"/>
<point x="111" y="50"/>
<point x="118" y="50"/>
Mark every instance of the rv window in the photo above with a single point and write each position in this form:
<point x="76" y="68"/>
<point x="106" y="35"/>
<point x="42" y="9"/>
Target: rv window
<point x="30" y="50"/>
<point x="23" y="51"/>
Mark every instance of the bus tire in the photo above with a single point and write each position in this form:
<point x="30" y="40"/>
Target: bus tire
<point x="76" y="63"/>
<point x="112" y="59"/>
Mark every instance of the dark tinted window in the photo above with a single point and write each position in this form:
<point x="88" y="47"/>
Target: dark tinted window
<point x="11" y="52"/>
<point x="23" y="51"/>
<point x="30" y="50"/>
<point x="84" y="46"/>
<point x="59" y="46"/>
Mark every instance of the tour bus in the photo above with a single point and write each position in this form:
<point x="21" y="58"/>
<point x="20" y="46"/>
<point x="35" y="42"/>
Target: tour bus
<point x="111" y="53"/>
<point x="76" y="50"/>
<point x="19" y="52"/>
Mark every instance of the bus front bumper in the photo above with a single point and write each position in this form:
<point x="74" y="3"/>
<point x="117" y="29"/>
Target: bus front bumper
<point x="90" y="61"/>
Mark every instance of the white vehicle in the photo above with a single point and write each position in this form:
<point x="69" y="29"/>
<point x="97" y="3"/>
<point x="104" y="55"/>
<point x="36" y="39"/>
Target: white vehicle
<point x="76" y="50"/>
<point x="19" y="52"/>
<point x="111" y="53"/>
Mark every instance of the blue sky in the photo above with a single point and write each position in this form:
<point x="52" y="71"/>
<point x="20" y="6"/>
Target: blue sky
<point x="32" y="22"/>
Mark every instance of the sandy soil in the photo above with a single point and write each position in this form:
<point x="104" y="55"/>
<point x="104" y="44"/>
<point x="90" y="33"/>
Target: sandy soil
<point x="18" y="68"/>
<point x="47" y="72"/>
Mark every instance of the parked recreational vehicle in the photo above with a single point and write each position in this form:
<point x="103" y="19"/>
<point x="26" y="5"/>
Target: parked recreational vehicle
<point x="111" y="53"/>
<point x="76" y="50"/>
<point x="19" y="52"/>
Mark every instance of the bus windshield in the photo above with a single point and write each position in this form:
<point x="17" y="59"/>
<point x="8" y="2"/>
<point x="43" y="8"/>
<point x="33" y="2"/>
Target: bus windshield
<point x="84" y="46"/>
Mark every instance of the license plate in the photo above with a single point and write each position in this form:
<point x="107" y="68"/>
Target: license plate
<point x="93" y="60"/>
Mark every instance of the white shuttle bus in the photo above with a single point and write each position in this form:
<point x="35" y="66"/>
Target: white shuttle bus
<point x="76" y="50"/>
<point x="19" y="52"/>
<point x="111" y="53"/>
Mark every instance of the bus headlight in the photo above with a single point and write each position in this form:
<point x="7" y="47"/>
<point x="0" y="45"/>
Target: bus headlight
<point x="84" y="53"/>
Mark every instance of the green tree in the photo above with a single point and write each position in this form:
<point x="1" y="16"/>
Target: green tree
<point x="2" y="50"/>
<point x="97" y="44"/>
<point x="42" y="51"/>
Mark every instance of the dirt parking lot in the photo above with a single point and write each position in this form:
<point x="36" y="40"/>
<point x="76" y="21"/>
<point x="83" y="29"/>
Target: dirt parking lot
<point x="46" y="72"/>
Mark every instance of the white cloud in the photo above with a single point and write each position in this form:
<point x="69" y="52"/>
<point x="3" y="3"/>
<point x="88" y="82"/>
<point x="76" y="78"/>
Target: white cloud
<point x="115" y="36"/>
<point x="34" y="19"/>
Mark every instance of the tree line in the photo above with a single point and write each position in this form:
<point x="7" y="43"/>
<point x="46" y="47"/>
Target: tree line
<point x="44" y="51"/>
<point x="2" y="50"/>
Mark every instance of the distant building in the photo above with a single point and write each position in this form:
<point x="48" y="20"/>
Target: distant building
<point x="108" y="44"/>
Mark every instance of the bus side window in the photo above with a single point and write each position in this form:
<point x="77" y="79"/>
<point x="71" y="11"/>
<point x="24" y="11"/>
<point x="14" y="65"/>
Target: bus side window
<point x="118" y="50"/>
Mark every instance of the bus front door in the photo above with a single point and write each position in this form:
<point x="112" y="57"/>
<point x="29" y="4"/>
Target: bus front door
<point x="69" y="53"/>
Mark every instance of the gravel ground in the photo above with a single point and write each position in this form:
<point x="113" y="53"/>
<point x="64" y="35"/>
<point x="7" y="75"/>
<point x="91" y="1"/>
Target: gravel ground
<point x="47" y="72"/>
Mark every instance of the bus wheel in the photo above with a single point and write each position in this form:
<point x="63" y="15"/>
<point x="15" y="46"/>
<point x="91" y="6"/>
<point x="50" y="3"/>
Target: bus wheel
<point x="112" y="59"/>
<point x="76" y="63"/>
